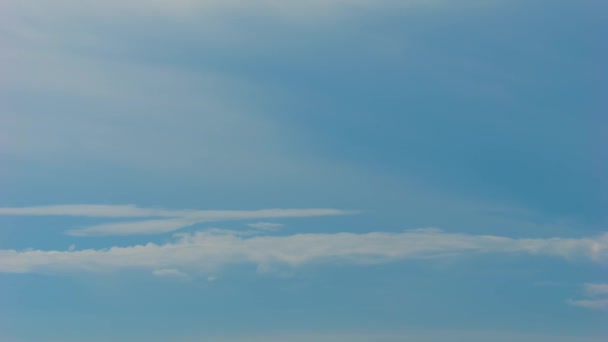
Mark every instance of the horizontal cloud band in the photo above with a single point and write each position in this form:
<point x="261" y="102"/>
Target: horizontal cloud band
<point x="207" y="251"/>
<point x="167" y="220"/>
<point x="129" y="210"/>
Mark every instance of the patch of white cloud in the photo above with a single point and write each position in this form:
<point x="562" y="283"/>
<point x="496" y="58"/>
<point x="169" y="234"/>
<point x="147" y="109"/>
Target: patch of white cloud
<point x="596" y="289"/>
<point x="408" y="335"/>
<point x="207" y="251"/>
<point x="269" y="226"/>
<point x="133" y="228"/>
<point x="170" y="272"/>
<point x="190" y="8"/>
<point x="176" y="219"/>
<point x="117" y="211"/>
<point x="404" y="335"/>
<point x="597" y="297"/>
<point x="90" y="210"/>
<point x="594" y="304"/>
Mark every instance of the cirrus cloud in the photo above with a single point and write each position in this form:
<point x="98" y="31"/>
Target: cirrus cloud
<point x="172" y="219"/>
<point x="207" y="251"/>
<point x="596" y="297"/>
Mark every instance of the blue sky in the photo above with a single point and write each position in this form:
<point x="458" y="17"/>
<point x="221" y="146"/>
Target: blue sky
<point x="416" y="170"/>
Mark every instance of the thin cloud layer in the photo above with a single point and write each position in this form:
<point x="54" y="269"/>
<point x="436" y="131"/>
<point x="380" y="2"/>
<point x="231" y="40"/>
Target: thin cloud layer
<point x="176" y="219"/>
<point x="596" y="289"/>
<point x="270" y="226"/>
<point x="207" y="251"/>
<point x="594" y="304"/>
<point x="597" y="297"/>
<point x="202" y="7"/>
<point x="90" y="210"/>
<point x="133" y="228"/>
<point x="170" y="272"/>
<point x="400" y="336"/>
<point x="129" y="210"/>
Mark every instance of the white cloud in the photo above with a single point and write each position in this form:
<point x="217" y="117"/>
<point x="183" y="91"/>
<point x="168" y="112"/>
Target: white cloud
<point x="206" y="251"/>
<point x="190" y="8"/>
<point x="271" y="226"/>
<point x="90" y="210"/>
<point x="176" y="219"/>
<point x="170" y="272"/>
<point x="220" y="215"/>
<point x="362" y="335"/>
<point x="133" y="228"/>
<point x="408" y="335"/>
<point x="596" y="289"/>
<point x="129" y="210"/>
<point x="594" y="304"/>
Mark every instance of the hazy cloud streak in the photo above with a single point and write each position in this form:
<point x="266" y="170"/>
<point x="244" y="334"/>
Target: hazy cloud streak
<point x="597" y="297"/>
<point x="594" y="304"/>
<point x="175" y="219"/>
<point x="206" y="251"/>
<point x="269" y="226"/>
<point x="596" y="289"/>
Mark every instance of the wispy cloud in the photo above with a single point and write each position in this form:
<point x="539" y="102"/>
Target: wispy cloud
<point x="596" y="289"/>
<point x="89" y="210"/>
<point x="206" y="251"/>
<point x="594" y="304"/>
<point x="171" y="272"/>
<point x="271" y="226"/>
<point x="597" y="297"/>
<point x="175" y="219"/>
<point x="202" y="7"/>
<point x="133" y="228"/>
<point x="436" y="335"/>
<point x="129" y="210"/>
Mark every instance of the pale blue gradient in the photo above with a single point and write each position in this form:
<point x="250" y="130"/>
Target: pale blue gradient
<point x="476" y="117"/>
